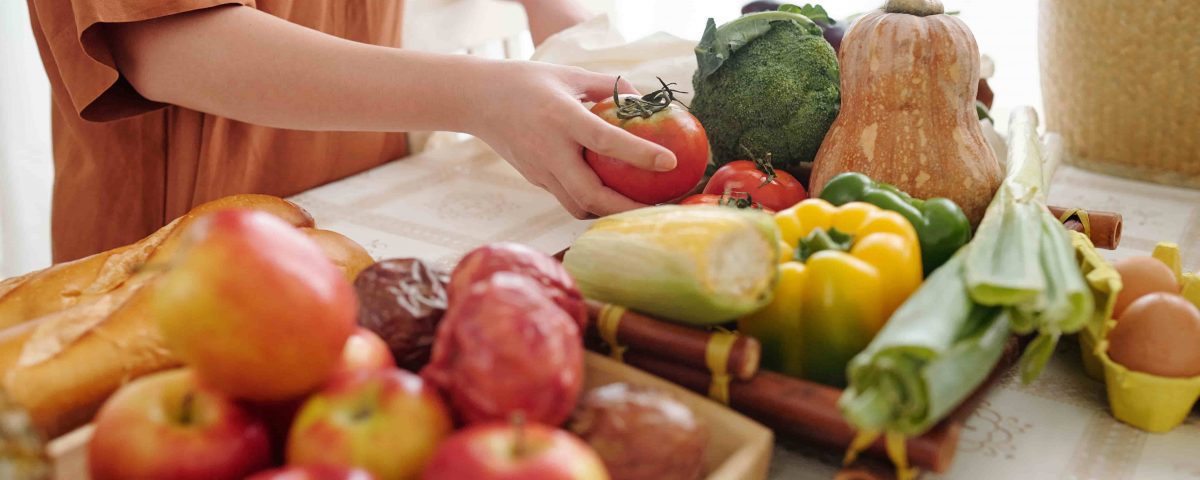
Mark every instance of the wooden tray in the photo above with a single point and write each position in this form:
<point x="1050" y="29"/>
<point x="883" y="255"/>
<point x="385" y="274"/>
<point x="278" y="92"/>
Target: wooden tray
<point x="808" y="411"/>
<point x="739" y="448"/>
<point x="793" y="407"/>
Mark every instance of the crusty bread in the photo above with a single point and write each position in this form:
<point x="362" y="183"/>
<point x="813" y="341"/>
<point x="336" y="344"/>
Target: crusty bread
<point x="344" y="252"/>
<point x="93" y="331"/>
<point x="82" y="281"/>
<point x="63" y="366"/>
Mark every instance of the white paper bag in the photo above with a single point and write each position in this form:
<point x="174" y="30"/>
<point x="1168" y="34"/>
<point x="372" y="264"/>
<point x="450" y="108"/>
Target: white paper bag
<point x="597" y="46"/>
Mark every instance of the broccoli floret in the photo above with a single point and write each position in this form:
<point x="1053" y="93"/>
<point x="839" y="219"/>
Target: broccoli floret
<point x="777" y="94"/>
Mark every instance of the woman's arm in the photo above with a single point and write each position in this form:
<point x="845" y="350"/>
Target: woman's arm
<point x="240" y="63"/>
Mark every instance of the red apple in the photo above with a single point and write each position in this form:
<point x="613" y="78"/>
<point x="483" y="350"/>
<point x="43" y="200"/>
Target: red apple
<point x="166" y="425"/>
<point x="313" y="472"/>
<point x="387" y="422"/>
<point x="278" y="417"/>
<point x="364" y="350"/>
<point x="255" y="307"/>
<point x="551" y="278"/>
<point x="504" y="347"/>
<point x="502" y="451"/>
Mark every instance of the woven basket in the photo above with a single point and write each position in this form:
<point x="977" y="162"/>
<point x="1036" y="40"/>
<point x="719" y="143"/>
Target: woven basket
<point x="1121" y="83"/>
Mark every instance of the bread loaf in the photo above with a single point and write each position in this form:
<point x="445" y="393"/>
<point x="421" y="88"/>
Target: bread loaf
<point x="80" y="330"/>
<point x="344" y="252"/>
<point x="82" y="281"/>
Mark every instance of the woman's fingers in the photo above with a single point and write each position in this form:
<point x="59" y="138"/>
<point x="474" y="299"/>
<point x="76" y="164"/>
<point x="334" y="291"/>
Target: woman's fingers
<point x="588" y="192"/>
<point x="609" y="140"/>
<point x="564" y="198"/>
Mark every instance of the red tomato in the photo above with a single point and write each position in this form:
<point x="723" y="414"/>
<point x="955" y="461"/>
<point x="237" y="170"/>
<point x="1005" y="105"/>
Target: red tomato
<point x="776" y="190"/>
<point x="657" y="118"/>
<point x="733" y="200"/>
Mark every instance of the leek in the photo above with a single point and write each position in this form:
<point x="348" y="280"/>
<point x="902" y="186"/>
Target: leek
<point x="934" y="351"/>
<point x="1022" y="258"/>
<point x="1002" y="264"/>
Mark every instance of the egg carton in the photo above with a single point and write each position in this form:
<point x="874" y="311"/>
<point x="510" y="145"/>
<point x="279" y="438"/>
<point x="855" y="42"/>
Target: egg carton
<point x="1149" y="402"/>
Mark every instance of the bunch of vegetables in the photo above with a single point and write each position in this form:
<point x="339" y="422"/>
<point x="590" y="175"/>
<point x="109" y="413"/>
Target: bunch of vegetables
<point x="1018" y="275"/>
<point x="840" y="299"/>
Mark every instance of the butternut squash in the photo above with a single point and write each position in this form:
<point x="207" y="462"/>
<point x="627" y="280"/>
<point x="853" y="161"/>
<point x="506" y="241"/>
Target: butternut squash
<point x="909" y="79"/>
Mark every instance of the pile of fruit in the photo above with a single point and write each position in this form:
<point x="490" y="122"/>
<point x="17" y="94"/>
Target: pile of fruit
<point x="287" y="386"/>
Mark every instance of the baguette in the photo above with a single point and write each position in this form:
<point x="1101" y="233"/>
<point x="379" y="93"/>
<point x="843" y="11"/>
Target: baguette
<point x="62" y="364"/>
<point x="60" y="368"/>
<point x="82" y="281"/>
<point x="344" y="252"/>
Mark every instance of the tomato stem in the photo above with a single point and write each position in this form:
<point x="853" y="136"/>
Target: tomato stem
<point x="737" y="200"/>
<point x="646" y="105"/>
<point x="764" y="165"/>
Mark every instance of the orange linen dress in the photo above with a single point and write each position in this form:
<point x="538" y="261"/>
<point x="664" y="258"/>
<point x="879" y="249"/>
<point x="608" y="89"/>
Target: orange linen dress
<point x="125" y="166"/>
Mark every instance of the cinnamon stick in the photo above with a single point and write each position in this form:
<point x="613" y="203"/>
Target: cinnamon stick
<point x="676" y="343"/>
<point x="1103" y="228"/>
<point x="808" y="410"/>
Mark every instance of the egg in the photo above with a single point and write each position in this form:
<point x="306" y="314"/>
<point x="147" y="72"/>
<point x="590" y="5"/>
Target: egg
<point x="1140" y="276"/>
<point x="1158" y="334"/>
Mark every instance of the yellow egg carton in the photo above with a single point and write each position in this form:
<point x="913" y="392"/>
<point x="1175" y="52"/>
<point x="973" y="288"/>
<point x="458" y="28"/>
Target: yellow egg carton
<point x="1105" y="283"/>
<point x="1148" y="402"/>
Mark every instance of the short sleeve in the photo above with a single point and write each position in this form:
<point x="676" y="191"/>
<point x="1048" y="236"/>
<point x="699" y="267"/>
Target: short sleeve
<point x="75" y="47"/>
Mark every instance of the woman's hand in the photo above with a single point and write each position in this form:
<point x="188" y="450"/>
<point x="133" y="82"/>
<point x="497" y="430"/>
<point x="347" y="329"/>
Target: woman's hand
<point x="532" y="114"/>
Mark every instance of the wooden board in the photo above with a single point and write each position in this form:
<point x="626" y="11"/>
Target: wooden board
<point x="739" y="448"/>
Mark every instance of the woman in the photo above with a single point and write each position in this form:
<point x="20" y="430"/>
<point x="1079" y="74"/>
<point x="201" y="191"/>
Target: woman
<point x="163" y="104"/>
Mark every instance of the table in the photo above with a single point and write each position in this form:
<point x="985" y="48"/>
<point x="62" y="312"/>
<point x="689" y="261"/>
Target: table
<point x="444" y="202"/>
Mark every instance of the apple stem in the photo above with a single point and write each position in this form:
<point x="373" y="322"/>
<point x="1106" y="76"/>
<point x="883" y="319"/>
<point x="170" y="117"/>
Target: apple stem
<point x="186" y="413"/>
<point x="518" y="423"/>
<point x="363" y="412"/>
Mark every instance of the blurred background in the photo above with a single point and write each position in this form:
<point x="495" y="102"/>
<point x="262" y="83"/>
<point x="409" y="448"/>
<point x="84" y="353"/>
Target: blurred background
<point x="1006" y="31"/>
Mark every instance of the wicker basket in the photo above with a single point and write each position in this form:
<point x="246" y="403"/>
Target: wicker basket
<point x="1121" y="83"/>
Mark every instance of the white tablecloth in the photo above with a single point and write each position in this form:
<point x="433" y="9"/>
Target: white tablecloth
<point x="442" y="203"/>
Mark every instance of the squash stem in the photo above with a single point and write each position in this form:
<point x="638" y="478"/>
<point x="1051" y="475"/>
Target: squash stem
<point x="920" y="8"/>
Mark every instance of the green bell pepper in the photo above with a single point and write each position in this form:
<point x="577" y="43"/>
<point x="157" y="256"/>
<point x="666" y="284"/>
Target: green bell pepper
<point x="941" y="226"/>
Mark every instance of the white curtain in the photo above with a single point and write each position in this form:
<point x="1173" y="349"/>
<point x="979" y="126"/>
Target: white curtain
<point x="26" y="167"/>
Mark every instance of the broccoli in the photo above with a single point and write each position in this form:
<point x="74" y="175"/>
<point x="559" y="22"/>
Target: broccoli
<point x="767" y="83"/>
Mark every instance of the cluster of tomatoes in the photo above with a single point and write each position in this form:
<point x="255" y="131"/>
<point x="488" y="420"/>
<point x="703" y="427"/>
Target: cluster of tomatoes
<point x="659" y="118"/>
<point x="750" y="184"/>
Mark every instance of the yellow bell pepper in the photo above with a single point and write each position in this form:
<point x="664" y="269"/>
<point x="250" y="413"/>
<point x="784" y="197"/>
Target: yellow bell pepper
<point x="848" y="268"/>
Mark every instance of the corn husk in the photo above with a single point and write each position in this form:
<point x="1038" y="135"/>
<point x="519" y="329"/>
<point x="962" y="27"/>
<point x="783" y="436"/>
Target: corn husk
<point x="699" y="265"/>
